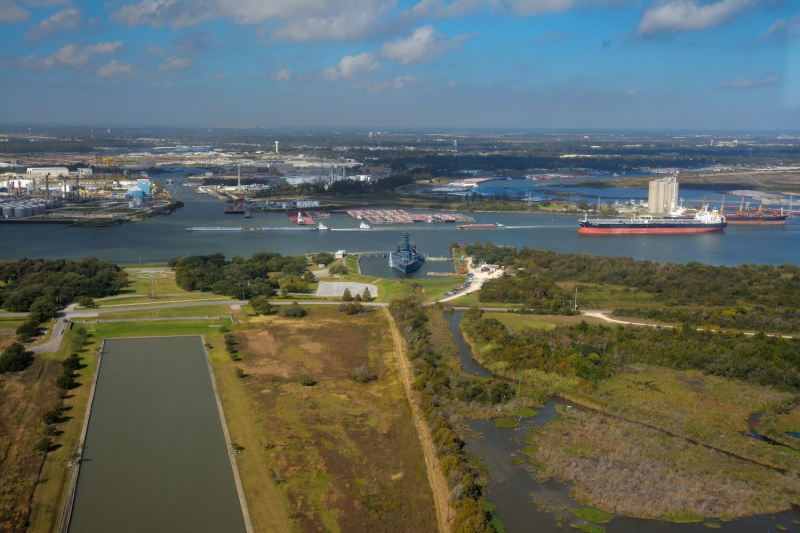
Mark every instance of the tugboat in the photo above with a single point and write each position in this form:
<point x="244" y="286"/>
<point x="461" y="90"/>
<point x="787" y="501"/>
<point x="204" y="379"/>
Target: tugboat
<point x="406" y="259"/>
<point x="364" y="225"/>
<point x="322" y="226"/>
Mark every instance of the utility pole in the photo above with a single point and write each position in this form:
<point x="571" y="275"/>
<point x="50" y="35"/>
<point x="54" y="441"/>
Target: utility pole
<point x="576" y="298"/>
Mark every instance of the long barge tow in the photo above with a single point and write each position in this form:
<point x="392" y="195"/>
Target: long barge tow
<point x="253" y="229"/>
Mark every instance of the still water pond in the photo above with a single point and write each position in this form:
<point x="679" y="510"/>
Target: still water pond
<point x="155" y="458"/>
<point x="513" y="488"/>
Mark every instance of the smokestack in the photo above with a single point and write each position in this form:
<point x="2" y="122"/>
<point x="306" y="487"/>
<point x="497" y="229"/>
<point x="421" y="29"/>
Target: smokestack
<point x="239" y="178"/>
<point x="276" y="147"/>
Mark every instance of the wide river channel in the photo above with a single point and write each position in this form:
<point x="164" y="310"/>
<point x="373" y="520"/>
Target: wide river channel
<point x="159" y="239"/>
<point x="155" y="457"/>
<point x="513" y="488"/>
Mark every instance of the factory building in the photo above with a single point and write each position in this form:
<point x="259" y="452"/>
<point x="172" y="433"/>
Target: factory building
<point x="44" y="171"/>
<point x="663" y="195"/>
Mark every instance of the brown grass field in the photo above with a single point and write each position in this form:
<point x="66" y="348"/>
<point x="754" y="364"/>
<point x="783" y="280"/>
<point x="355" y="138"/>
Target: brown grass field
<point x="626" y="468"/>
<point x="24" y="397"/>
<point x="345" y="454"/>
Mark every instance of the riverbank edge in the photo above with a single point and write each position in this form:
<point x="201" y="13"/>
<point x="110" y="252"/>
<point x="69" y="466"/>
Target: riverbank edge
<point x="248" y="524"/>
<point x="591" y="403"/>
<point x="435" y="477"/>
<point x="66" y="513"/>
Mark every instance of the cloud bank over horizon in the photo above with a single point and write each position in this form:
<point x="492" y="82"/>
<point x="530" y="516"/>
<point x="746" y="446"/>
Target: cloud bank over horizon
<point x="453" y="63"/>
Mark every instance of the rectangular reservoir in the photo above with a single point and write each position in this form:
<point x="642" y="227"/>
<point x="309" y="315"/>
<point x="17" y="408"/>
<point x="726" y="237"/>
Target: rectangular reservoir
<point x="155" y="457"/>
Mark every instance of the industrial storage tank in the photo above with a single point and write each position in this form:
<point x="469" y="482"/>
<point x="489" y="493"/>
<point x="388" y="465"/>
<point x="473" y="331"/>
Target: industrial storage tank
<point x="21" y="212"/>
<point x="8" y="211"/>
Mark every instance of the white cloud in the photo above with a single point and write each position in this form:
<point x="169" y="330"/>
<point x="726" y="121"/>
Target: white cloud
<point x="175" y="64"/>
<point x="350" y="66"/>
<point x="677" y="16"/>
<point x="783" y="29"/>
<point x="283" y="74"/>
<point x="423" y="45"/>
<point x="441" y="9"/>
<point x="67" y="19"/>
<point x="219" y="76"/>
<point x="115" y="68"/>
<point x="631" y="92"/>
<point x="744" y="83"/>
<point x="11" y="13"/>
<point x="398" y="83"/>
<point x="158" y="13"/>
<point x="71" y="55"/>
<point x="296" y="20"/>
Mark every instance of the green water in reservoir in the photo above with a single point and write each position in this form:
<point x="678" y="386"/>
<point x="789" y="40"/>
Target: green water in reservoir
<point x="155" y="458"/>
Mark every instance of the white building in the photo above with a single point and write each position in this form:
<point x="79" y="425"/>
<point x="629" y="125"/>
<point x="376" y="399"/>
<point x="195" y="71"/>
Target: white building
<point x="341" y="254"/>
<point x="44" y="171"/>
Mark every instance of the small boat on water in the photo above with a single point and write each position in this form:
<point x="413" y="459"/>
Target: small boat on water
<point x="322" y="226"/>
<point x="364" y="225"/>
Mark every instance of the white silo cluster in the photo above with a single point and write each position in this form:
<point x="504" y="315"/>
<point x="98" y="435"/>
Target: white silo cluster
<point x="24" y="208"/>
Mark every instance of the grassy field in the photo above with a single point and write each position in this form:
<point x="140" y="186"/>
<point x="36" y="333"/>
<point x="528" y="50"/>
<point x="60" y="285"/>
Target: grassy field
<point x="707" y="409"/>
<point x="345" y="454"/>
<point x="518" y="322"/>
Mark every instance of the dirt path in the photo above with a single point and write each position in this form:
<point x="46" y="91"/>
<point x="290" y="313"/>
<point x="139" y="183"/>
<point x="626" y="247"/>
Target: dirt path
<point x="435" y="477"/>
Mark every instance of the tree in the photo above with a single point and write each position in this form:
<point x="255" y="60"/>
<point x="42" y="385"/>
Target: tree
<point x="15" y="359"/>
<point x="85" y="301"/>
<point x="261" y="306"/>
<point x="323" y="258"/>
<point x="338" y="270"/>
<point x="357" y="298"/>
<point x="65" y="382"/>
<point x="43" y="445"/>
<point x="346" y="296"/>
<point x="307" y="381"/>
<point x="44" y="307"/>
<point x="71" y="363"/>
<point x="239" y="373"/>
<point x="309" y="277"/>
<point x="293" y="311"/>
<point x="366" y="296"/>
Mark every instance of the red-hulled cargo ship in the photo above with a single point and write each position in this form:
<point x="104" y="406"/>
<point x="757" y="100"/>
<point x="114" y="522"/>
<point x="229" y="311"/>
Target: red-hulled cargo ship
<point x="704" y="221"/>
<point x="744" y="216"/>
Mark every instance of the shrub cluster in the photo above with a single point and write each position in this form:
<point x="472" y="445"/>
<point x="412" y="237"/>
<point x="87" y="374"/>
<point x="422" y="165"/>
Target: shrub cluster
<point x="361" y="374"/>
<point x="293" y="311"/>
<point x="352" y="308"/>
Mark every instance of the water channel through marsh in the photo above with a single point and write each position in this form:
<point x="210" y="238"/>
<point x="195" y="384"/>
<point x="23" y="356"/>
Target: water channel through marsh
<point x="513" y="488"/>
<point x="155" y="457"/>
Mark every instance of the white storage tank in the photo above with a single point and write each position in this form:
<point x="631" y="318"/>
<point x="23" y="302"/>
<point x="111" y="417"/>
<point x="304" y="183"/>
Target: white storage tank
<point x="8" y="211"/>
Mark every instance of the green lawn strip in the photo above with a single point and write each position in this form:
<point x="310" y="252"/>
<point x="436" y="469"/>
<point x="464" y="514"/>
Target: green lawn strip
<point x="497" y="525"/>
<point x="725" y="518"/>
<point x="517" y="460"/>
<point x="489" y="507"/>
<point x="505" y="422"/>
<point x="781" y="528"/>
<point x="712" y="525"/>
<point x="593" y="515"/>
<point x="684" y="516"/>
<point x="200" y="310"/>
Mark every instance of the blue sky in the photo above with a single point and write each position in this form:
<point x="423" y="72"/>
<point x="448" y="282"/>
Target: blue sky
<point x="536" y="64"/>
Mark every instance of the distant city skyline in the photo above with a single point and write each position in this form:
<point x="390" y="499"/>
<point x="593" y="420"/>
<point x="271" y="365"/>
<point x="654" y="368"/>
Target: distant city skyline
<point x="519" y="64"/>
